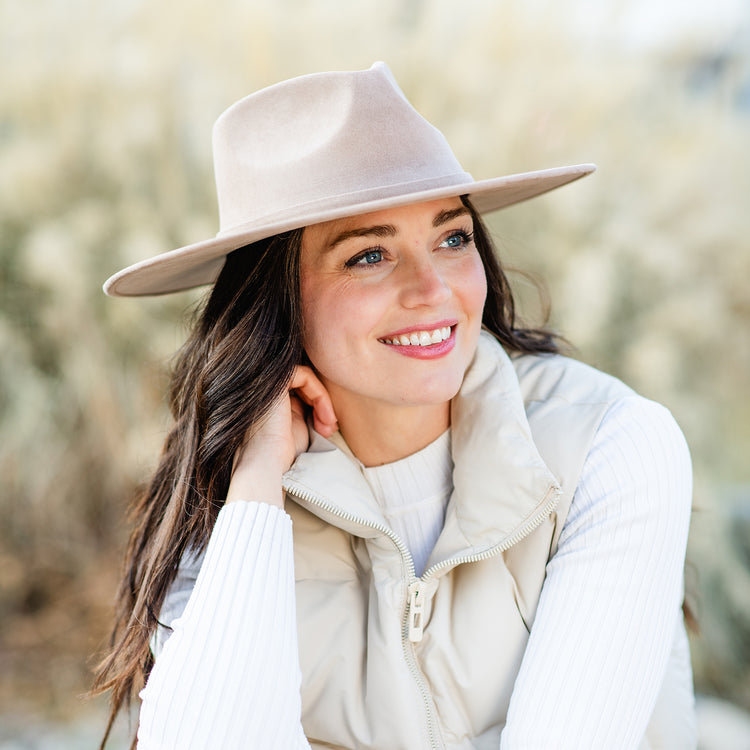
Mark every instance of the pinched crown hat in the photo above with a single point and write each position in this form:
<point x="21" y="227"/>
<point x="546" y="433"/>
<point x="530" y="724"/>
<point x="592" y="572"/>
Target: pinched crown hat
<point x="320" y="147"/>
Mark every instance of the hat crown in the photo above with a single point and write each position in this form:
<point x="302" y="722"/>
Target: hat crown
<point x="320" y="140"/>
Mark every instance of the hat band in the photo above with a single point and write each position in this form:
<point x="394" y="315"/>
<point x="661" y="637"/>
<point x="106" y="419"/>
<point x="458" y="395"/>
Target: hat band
<point x="350" y="201"/>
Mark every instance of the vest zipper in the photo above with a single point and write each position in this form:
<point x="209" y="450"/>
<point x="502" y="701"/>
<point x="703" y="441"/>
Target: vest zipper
<point x="415" y="611"/>
<point x="351" y="518"/>
<point x="412" y="624"/>
<point x="550" y="503"/>
<point x="406" y="644"/>
<point x="416" y="589"/>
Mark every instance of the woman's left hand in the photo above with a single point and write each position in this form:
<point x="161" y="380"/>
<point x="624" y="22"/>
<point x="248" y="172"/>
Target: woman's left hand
<point x="271" y="449"/>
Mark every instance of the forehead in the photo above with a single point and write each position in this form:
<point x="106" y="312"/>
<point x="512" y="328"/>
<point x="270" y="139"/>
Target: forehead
<point x="395" y="219"/>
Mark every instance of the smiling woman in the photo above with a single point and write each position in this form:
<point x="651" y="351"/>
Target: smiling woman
<point x="476" y="519"/>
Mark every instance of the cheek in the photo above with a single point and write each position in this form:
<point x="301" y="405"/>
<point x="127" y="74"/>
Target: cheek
<point x="474" y="288"/>
<point x="481" y="286"/>
<point x="310" y="312"/>
<point x="328" y="311"/>
<point x="313" y="315"/>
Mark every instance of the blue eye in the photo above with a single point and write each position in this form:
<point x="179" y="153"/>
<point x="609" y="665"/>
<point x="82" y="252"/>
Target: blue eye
<point x="457" y="240"/>
<point x="369" y="257"/>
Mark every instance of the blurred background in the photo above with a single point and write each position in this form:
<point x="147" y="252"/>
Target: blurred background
<point x="106" y="111"/>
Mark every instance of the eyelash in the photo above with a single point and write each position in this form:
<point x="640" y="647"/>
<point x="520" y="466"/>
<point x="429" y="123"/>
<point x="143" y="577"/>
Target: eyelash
<point x="466" y="238"/>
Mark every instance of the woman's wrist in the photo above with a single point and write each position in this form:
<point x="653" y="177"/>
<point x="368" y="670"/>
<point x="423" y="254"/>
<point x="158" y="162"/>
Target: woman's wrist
<point x="256" y="481"/>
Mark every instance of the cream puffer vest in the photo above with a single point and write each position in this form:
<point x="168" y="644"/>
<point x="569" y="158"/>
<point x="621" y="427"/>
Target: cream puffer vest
<point x="391" y="661"/>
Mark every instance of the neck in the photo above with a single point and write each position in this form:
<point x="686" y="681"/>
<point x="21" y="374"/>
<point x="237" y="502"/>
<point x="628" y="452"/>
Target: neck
<point x="383" y="435"/>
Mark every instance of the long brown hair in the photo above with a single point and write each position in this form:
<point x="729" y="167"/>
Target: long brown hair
<point x="238" y="359"/>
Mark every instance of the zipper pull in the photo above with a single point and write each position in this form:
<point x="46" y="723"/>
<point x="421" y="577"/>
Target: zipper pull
<point x="416" y="611"/>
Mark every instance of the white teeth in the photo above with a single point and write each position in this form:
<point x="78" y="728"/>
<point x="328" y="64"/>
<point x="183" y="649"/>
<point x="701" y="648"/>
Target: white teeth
<point x="420" y="338"/>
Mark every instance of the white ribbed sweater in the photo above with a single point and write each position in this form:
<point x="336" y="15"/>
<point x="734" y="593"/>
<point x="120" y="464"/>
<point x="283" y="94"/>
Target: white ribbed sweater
<point x="229" y="677"/>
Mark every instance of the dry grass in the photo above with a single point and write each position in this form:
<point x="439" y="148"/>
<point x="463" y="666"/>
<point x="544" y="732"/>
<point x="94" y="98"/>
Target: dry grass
<point x="104" y="145"/>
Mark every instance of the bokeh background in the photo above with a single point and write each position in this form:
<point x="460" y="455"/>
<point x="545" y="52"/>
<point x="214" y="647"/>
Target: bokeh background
<point x="106" y="111"/>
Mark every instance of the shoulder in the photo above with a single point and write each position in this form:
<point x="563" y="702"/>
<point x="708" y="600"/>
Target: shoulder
<point x="565" y="403"/>
<point x="637" y="474"/>
<point x="555" y="377"/>
<point x="639" y="438"/>
<point x="560" y="389"/>
<point x="587" y="425"/>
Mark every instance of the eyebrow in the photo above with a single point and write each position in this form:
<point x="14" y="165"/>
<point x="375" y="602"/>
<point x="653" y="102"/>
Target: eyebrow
<point x="379" y="230"/>
<point x="388" y="230"/>
<point x="445" y="216"/>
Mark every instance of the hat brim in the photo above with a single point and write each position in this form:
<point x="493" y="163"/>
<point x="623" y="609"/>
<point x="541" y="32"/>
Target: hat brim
<point x="200" y="263"/>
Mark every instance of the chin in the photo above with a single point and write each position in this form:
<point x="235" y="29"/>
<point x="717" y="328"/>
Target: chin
<point x="434" y="394"/>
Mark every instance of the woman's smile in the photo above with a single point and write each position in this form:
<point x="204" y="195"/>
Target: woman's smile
<point x="423" y="342"/>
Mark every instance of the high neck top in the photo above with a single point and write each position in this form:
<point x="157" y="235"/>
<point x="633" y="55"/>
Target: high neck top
<point x="413" y="494"/>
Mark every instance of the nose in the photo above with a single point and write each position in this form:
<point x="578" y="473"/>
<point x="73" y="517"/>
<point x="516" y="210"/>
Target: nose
<point x="423" y="284"/>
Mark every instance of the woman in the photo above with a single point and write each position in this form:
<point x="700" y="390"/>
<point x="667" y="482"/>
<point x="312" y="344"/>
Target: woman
<point x="488" y="537"/>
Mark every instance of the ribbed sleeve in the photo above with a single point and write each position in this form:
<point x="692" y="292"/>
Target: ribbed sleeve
<point x="609" y="615"/>
<point x="228" y="676"/>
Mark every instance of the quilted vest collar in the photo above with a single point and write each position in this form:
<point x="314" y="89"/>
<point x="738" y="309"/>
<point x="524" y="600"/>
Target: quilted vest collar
<point x="492" y="450"/>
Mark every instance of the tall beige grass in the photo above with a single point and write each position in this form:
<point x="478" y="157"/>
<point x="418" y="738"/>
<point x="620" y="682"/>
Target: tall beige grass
<point x="105" y="117"/>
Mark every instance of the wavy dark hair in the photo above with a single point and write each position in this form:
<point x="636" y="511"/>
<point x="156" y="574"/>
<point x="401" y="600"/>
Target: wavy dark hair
<point x="237" y="360"/>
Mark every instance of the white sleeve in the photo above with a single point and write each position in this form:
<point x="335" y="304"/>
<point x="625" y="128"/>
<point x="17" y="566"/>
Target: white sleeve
<point x="611" y="603"/>
<point x="229" y="676"/>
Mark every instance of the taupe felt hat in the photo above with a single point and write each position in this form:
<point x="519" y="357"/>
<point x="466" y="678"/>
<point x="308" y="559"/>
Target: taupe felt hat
<point x="320" y="147"/>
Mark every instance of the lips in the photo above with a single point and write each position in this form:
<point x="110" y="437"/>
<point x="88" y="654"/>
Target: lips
<point x="426" y="337"/>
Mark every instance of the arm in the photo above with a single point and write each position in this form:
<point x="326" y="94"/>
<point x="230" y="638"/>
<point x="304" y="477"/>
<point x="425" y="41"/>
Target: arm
<point x="610" y="605"/>
<point x="228" y="676"/>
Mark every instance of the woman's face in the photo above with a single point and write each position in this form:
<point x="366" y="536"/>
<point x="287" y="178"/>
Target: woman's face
<point x="392" y="304"/>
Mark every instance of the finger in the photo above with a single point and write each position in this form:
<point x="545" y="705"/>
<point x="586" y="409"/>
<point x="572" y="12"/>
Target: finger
<point x="299" y="426"/>
<point x="308" y="387"/>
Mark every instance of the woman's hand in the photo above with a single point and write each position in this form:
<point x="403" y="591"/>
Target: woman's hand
<point x="267" y="454"/>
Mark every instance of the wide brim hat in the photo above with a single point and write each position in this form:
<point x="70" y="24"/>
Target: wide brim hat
<point x="321" y="147"/>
